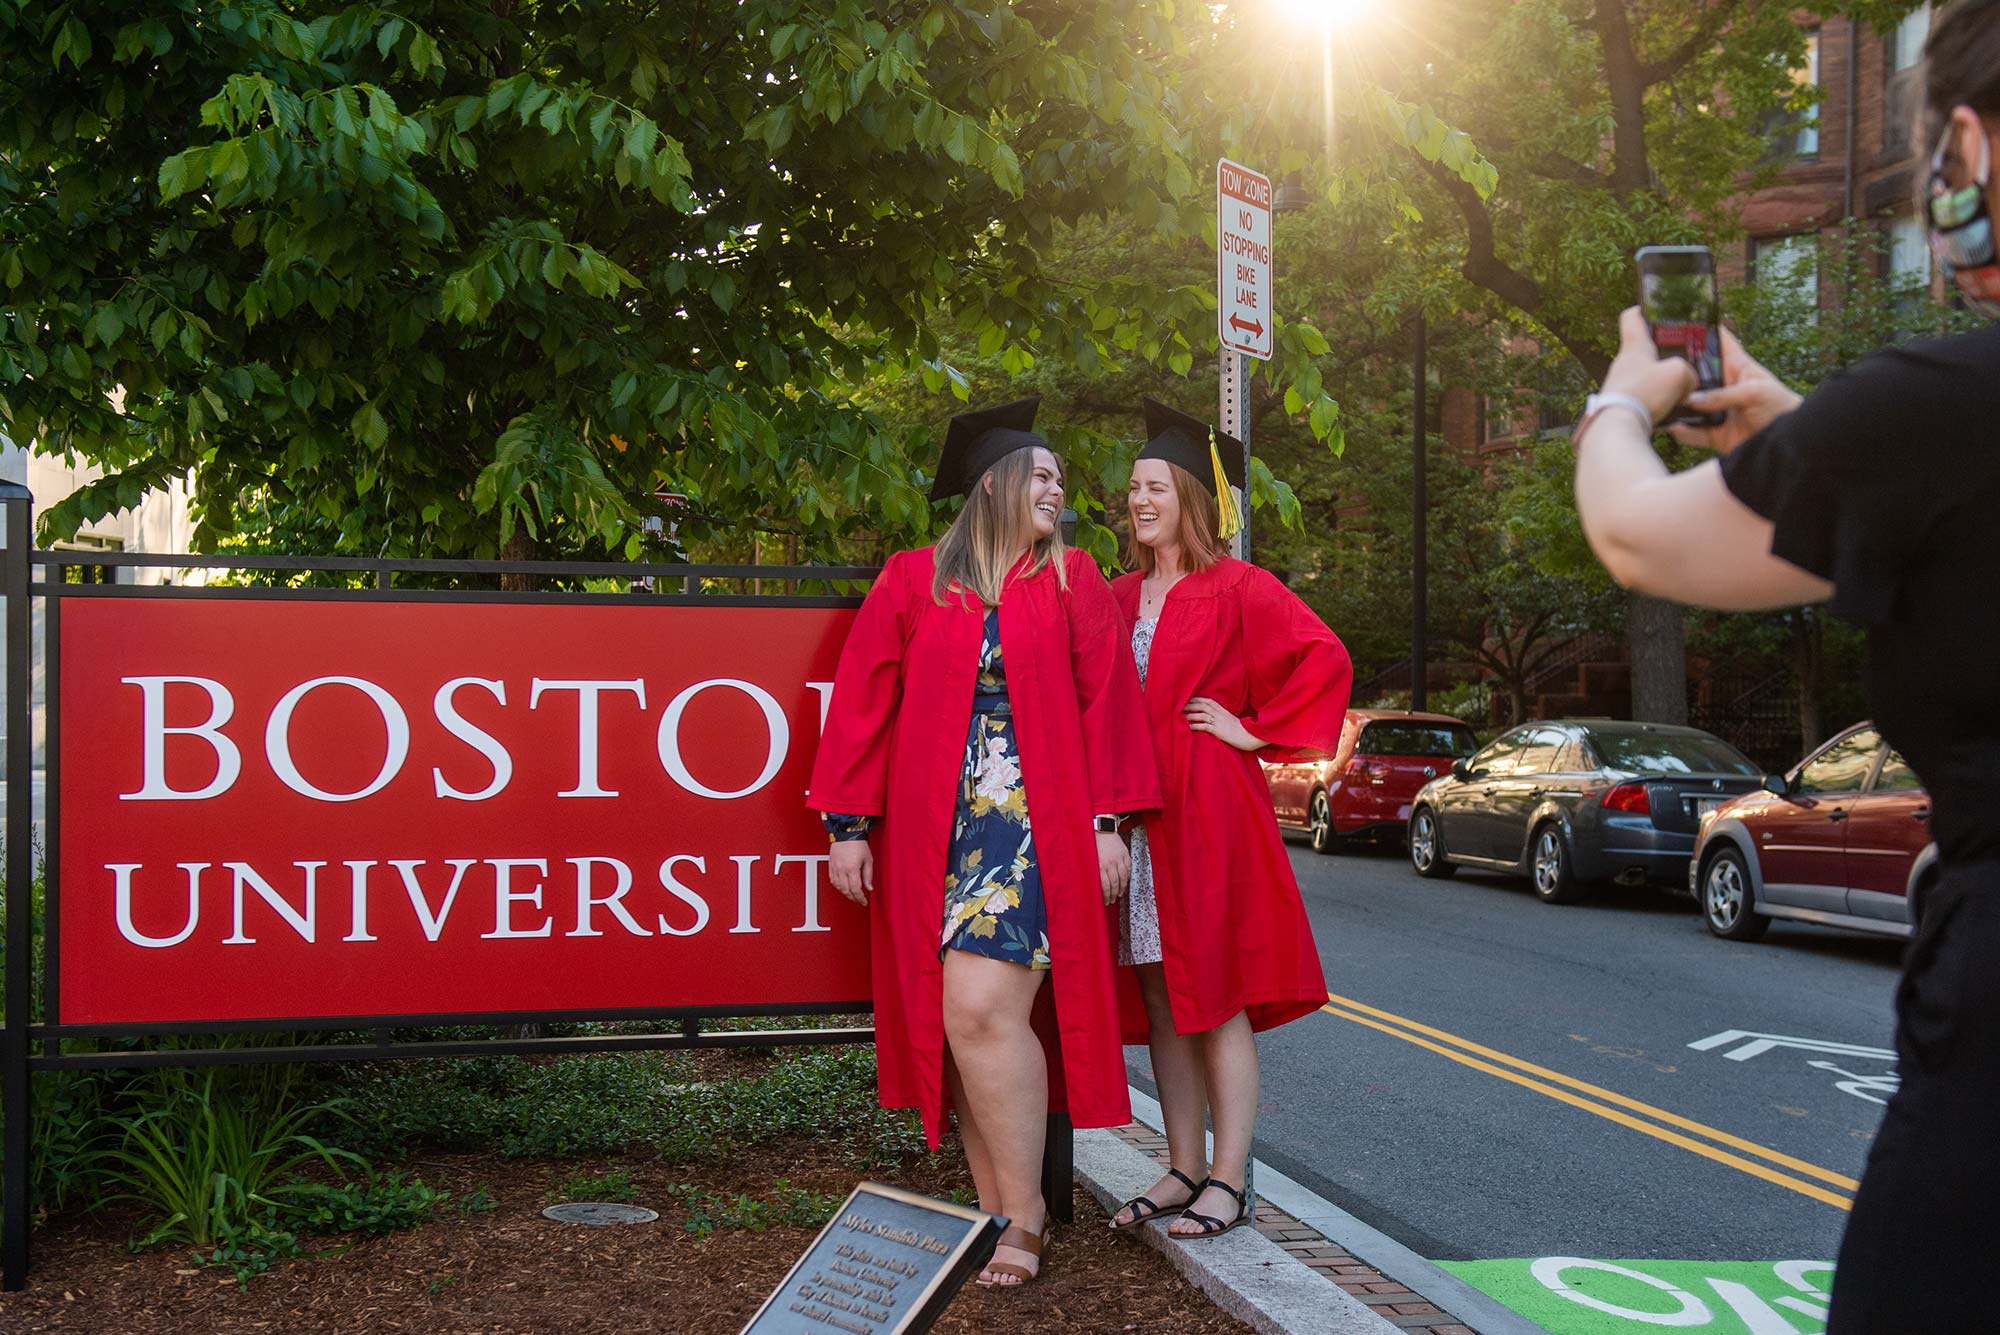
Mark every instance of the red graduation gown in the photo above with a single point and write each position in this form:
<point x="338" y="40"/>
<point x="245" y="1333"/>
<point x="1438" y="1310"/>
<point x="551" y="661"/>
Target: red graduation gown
<point x="893" y="747"/>
<point x="1233" y="930"/>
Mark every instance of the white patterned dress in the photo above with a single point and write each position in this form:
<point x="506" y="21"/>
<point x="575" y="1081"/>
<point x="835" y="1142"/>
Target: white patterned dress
<point x="1139" y="942"/>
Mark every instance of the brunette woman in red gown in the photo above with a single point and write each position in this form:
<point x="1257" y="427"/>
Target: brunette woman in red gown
<point x="1235" y="669"/>
<point x="986" y="681"/>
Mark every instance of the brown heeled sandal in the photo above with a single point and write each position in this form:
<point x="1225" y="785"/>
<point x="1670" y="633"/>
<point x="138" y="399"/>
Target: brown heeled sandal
<point x="1021" y="1240"/>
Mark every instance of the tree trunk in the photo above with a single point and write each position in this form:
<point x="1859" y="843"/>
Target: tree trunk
<point x="1657" y="632"/>
<point x="1808" y="659"/>
<point x="521" y="547"/>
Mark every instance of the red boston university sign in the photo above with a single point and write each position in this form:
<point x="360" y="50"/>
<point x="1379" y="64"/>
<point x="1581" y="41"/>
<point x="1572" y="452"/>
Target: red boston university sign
<point x="316" y="809"/>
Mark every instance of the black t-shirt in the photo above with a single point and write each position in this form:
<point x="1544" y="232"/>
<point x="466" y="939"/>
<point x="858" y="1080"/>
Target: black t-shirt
<point x="1886" y="481"/>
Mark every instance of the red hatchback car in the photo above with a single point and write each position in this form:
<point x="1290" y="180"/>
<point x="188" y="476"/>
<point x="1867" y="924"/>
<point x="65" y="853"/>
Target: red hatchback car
<point x="1843" y="840"/>
<point x="1384" y="757"/>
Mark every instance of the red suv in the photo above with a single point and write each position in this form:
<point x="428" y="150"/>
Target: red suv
<point x="1384" y="757"/>
<point x="1843" y="840"/>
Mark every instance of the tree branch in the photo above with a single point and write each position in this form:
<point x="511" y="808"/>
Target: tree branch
<point x="1706" y="30"/>
<point x="1484" y="268"/>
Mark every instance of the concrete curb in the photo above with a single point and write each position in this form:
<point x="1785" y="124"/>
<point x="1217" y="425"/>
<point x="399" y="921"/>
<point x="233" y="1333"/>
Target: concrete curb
<point x="1246" y="1274"/>
<point x="1431" y="1281"/>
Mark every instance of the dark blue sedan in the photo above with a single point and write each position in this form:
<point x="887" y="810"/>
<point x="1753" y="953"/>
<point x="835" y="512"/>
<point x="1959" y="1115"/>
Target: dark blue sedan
<point x="1571" y="802"/>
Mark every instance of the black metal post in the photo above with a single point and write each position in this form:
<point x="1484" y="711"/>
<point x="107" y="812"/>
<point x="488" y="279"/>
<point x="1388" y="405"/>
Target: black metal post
<point x="1419" y="505"/>
<point x="1059" y="1169"/>
<point x="15" y="502"/>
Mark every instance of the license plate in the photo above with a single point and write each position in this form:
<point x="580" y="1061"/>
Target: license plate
<point x="1403" y="811"/>
<point x="1701" y="806"/>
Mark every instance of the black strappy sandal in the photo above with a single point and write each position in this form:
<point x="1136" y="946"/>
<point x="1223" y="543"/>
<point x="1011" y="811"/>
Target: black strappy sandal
<point x="1152" y="1209"/>
<point x="1212" y="1227"/>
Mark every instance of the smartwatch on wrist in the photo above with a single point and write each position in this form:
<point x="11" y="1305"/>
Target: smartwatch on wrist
<point x="1105" y="824"/>
<point x="1597" y="403"/>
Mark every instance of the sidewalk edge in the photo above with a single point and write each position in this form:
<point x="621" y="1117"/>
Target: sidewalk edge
<point x="1245" y="1274"/>
<point x="1437" y="1285"/>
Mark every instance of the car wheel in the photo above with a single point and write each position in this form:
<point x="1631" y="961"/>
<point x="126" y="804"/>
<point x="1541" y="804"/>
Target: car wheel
<point x="1727" y="902"/>
<point x="1427" y="846"/>
<point x="1555" y="882"/>
<point x="1319" y="823"/>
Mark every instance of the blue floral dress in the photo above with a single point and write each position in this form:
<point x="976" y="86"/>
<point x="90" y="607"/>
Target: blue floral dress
<point x="993" y="903"/>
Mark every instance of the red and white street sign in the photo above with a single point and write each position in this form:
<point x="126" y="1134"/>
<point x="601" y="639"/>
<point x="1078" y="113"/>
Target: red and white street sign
<point x="1243" y="258"/>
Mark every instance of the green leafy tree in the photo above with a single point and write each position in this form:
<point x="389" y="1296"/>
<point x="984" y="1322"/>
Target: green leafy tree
<point x="446" y="277"/>
<point x="1642" y="121"/>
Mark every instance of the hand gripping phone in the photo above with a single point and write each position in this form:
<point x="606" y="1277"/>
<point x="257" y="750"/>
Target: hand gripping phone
<point x="1678" y="298"/>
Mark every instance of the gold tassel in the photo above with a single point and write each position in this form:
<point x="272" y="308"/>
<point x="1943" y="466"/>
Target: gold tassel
<point x="1231" y="522"/>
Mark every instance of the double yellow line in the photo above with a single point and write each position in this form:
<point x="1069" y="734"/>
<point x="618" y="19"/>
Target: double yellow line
<point x="1644" y="1118"/>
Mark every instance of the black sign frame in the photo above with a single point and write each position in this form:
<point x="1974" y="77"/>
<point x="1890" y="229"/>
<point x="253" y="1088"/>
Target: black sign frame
<point x="682" y="1025"/>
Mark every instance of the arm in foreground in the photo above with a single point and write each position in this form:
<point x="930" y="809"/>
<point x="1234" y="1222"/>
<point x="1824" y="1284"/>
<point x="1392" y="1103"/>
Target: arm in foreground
<point x="1678" y="536"/>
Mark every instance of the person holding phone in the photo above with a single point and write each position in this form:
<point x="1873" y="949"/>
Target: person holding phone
<point x="1877" y="494"/>
<point x="980" y="736"/>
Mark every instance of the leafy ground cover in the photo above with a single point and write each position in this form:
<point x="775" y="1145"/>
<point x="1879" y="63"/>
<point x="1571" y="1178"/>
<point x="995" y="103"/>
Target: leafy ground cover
<point x="743" y="1156"/>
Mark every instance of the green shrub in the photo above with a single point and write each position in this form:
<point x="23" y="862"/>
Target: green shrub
<point x="207" y="1157"/>
<point x="601" y="1106"/>
<point x="786" y="1206"/>
<point x="382" y="1205"/>
<point x="611" y="1185"/>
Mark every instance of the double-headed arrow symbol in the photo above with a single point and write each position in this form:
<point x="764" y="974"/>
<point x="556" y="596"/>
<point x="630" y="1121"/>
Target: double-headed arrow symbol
<point x="1238" y="322"/>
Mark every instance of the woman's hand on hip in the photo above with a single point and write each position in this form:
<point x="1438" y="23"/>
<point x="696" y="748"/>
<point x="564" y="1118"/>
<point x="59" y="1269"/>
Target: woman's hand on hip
<point x="851" y="865"/>
<point x="1205" y="715"/>
<point x="1114" y="865"/>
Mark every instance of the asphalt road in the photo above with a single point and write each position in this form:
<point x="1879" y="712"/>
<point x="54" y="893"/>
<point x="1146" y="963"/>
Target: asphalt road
<point x="1506" y="1078"/>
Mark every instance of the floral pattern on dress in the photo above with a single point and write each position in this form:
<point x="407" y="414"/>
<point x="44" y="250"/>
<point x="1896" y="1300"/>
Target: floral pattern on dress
<point x="993" y="887"/>
<point x="1139" y="942"/>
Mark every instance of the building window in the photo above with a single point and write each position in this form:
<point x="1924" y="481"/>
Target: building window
<point x="1902" y="91"/>
<point x="1906" y="40"/>
<point x="1793" y="132"/>
<point x="1788" y="266"/>
<point x="1496" y="418"/>
<point x="1906" y="255"/>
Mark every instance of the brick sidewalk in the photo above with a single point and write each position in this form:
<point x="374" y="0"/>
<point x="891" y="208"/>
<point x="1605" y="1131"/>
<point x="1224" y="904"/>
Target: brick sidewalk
<point x="1389" y="1300"/>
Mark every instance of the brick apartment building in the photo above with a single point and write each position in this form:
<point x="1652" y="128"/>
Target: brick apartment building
<point x="1856" y="158"/>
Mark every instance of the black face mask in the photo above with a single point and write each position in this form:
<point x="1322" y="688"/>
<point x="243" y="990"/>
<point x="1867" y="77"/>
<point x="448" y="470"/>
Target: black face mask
<point x="1961" y="228"/>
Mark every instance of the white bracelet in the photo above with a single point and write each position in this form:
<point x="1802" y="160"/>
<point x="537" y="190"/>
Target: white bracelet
<point x="1597" y="403"/>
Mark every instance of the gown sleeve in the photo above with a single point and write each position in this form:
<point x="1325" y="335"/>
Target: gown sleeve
<point x="850" y="775"/>
<point x="1117" y="742"/>
<point x="1300" y="675"/>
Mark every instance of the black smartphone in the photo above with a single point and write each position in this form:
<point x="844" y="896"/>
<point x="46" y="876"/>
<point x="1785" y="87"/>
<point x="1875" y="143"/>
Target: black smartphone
<point x="1678" y="298"/>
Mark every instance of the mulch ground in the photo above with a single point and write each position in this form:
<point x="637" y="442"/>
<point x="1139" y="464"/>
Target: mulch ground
<point x="510" y="1270"/>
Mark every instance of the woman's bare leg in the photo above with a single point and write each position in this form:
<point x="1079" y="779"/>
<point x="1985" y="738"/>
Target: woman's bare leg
<point x="976" y="1156"/>
<point x="1177" y="1071"/>
<point x="1004" y="1081"/>
<point x="1229" y="1056"/>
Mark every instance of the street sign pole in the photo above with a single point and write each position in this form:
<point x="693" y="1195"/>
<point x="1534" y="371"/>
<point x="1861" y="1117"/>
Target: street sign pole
<point x="1243" y="309"/>
<point x="1235" y="421"/>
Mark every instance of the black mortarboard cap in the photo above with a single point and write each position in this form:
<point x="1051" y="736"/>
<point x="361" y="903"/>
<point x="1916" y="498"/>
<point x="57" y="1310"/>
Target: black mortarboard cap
<point x="1180" y="439"/>
<point x="975" y="441"/>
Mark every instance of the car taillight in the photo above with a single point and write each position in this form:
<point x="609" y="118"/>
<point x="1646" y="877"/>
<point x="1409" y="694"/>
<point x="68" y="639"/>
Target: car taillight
<point x="1629" y="797"/>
